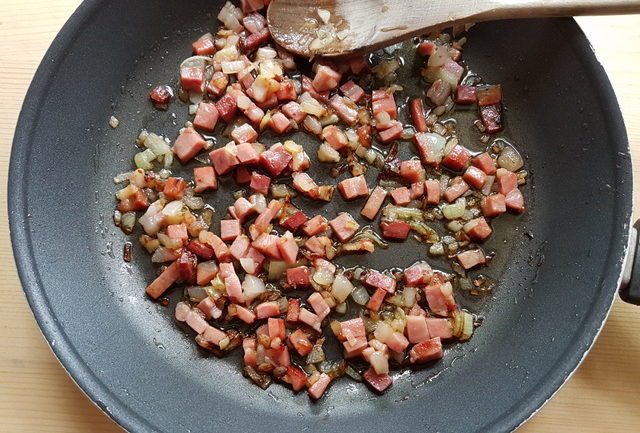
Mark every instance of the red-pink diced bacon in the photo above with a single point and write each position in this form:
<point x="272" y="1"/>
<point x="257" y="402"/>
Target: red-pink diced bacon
<point x="178" y="231"/>
<point x="412" y="170"/>
<point x="209" y="309"/>
<point x="220" y="249"/>
<point x="494" y="205"/>
<point x="294" y="221"/>
<point x="397" y="342"/>
<point x="196" y="321"/>
<point x="418" y="274"/>
<point x="307" y="86"/>
<point x="268" y="244"/>
<point x="485" y="163"/>
<point x="240" y="246"/>
<point x="379" y="382"/>
<point x="247" y="106"/>
<point x="192" y="78"/>
<point x="305" y="184"/>
<point x="454" y="69"/>
<point x="393" y="132"/>
<point x="206" y="116"/>
<point x="310" y="319"/>
<point x="205" y="178"/>
<point x="243" y="208"/>
<point x="417" y="330"/>
<point x="288" y="248"/>
<point x="226" y="270"/>
<point x="471" y="258"/>
<point x="246" y="153"/>
<point x="234" y="289"/>
<point x="352" y="91"/>
<point x="254" y="22"/>
<point x="218" y="84"/>
<point x="245" y="315"/>
<point x="478" y="229"/>
<point x="417" y="190"/>
<point x="358" y="64"/>
<point x="315" y="246"/>
<point x="507" y="181"/>
<point x="344" y="226"/>
<point x="230" y="229"/>
<point x="346" y="113"/>
<point x="401" y="196"/>
<point x="456" y="189"/>
<point x="354" y="187"/>
<point x="376" y="299"/>
<point x="249" y="6"/>
<point x="188" y="144"/>
<point x="457" y="158"/>
<point x="249" y="346"/>
<point x="267" y="309"/>
<point x="316" y="390"/>
<point x="353" y="336"/>
<point x="293" y="111"/>
<point x="300" y="161"/>
<point x="279" y="123"/>
<point x="254" y="40"/>
<point x="354" y="348"/>
<point x="383" y="102"/>
<point x="326" y="78"/>
<point x="315" y="225"/>
<point x="322" y="264"/>
<point x="227" y="107"/>
<point x="280" y="355"/>
<point x="514" y="200"/>
<point x="427" y="154"/>
<point x="182" y="311"/>
<point x="319" y="305"/>
<point x="224" y="159"/>
<point x="214" y="335"/>
<point x="374" y="203"/>
<point x="440" y="297"/>
<point x="335" y="137"/>
<point x="257" y="260"/>
<point x="260" y="183"/>
<point x="205" y="272"/>
<point x="276" y="328"/>
<point x="264" y="219"/>
<point x="439" y="92"/>
<point x="287" y="91"/>
<point x="426" y="351"/>
<point x="244" y="134"/>
<point x="398" y="230"/>
<point x="433" y="191"/>
<point x="298" y="277"/>
<point x="475" y="177"/>
<point x="379" y="280"/>
<point x="440" y="328"/>
<point x="276" y="159"/>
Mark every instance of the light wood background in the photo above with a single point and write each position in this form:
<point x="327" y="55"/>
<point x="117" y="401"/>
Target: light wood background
<point x="36" y="395"/>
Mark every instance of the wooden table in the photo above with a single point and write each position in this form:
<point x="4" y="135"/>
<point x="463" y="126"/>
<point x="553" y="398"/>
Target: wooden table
<point x="36" y="395"/>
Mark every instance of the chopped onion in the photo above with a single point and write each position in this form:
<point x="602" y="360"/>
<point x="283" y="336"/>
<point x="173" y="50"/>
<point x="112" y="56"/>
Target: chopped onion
<point x="324" y="277"/>
<point x="312" y="124"/>
<point x="409" y="296"/>
<point x="455" y="210"/>
<point x="196" y="293"/>
<point x="252" y="287"/>
<point x="383" y="331"/>
<point x="144" y="159"/>
<point x="276" y="270"/>
<point x="360" y="295"/>
<point x="327" y="153"/>
<point x="341" y="288"/>
<point x="128" y="221"/>
<point x="324" y="15"/>
<point x="488" y="183"/>
<point x="439" y="57"/>
<point x="379" y="362"/>
<point x="510" y="159"/>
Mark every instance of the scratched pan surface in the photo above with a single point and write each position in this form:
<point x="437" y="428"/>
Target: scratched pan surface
<point x="558" y="265"/>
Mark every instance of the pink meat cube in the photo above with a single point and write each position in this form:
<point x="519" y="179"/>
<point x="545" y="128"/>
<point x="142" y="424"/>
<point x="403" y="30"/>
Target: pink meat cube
<point x="457" y="158"/>
<point x="335" y="137"/>
<point x="456" y="189"/>
<point x="246" y="154"/>
<point x="315" y="225"/>
<point x="205" y="178"/>
<point x="268" y="244"/>
<point x="494" y="205"/>
<point x="398" y="230"/>
<point x="260" y="183"/>
<point x="288" y="248"/>
<point x="188" y="144"/>
<point x="401" y="196"/>
<point x="276" y="328"/>
<point x="433" y="191"/>
<point x="178" y="231"/>
<point x="344" y="226"/>
<point x="246" y="315"/>
<point x="192" y="78"/>
<point x="264" y="219"/>
<point x="206" y="116"/>
<point x="276" y="159"/>
<point x="418" y="274"/>
<point x="426" y="351"/>
<point x="279" y="123"/>
<point x="224" y="159"/>
<point x="507" y="181"/>
<point x="375" y="302"/>
<point x="287" y="91"/>
<point x="514" y="200"/>
<point x="310" y="319"/>
<point x="471" y="258"/>
<point x="352" y="91"/>
<point x="326" y="78"/>
<point x="298" y="277"/>
<point x="267" y="309"/>
<point x="219" y="247"/>
<point x="205" y="272"/>
<point x="475" y="177"/>
<point x="244" y="134"/>
<point x="226" y="270"/>
<point x="383" y="101"/>
<point x="439" y="327"/>
<point x="214" y="335"/>
<point x="379" y="280"/>
<point x="294" y="221"/>
<point x="412" y="170"/>
<point x="393" y="132"/>
<point x="293" y="111"/>
<point x="354" y="187"/>
<point x="316" y="390"/>
<point x="234" y="289"/>
<point x="397" y="342"/>
<point x="417" y="190"/>
<point x="240" y="246"/>
<point x="374" y="203"/>
<point x="485" y="163"/>
<point x="227" y="108"/>
<point x="319" y="305"/>
<point x="440" y="297"/>
<point x="478" y="229"/>
<point x="230" y="229"/>
<point x="346" y="113"/>
<point x="208" y="307"/>
<point x="417" y="330"/>
<point x="379" y="382"/>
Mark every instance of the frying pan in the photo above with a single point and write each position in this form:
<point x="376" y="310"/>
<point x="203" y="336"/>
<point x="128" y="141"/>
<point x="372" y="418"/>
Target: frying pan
<point x="559" y="266"/>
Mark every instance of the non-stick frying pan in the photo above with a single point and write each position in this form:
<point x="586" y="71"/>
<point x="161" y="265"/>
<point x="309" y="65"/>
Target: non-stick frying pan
<point x="559" y="266"/>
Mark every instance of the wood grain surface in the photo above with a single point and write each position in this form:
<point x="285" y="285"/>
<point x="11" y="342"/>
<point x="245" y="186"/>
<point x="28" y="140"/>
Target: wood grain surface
<point x="36" y="395"/>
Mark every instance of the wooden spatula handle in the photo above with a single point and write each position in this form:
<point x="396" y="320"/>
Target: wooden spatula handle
<point x="554" y="8"/>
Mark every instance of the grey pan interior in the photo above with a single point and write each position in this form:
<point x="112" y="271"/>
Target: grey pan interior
<point x="556" y="285"/>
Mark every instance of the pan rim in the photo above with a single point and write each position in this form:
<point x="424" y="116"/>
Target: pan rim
<point x="113" y="406"/>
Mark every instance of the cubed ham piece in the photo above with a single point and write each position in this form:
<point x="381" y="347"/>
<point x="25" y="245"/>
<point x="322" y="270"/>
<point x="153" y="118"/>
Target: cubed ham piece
<point x="240" y="246"/>
<point x="205" y="178"/>
<point x="260" y="183"/>
<point x="353" y="328"/>
<point x="457" y="158"/>
<point x="315" y="225"/>
<point x="249" y="6"/>
<point x="267" y="309"/>
<point x="354" y="187"/>
<point x="188" y="144"/>
<point x="244" y="134"/>
<point x="453" y="69"/>
<point x="295" y="377"/>
<point x="393" y="132"/>
<point x="206" y="116"/>
<point x="276" y="328"/>
<point x="426" y="351"/>
<point x="507" y="181"/>
<point x="214" y="335"/>
<point x="397" y="342"/>
<point x="305" y="184"/>
<point x="249" y="346"/>
<point x="264" y="219"/>
<point x="174" y="188"/>
<point x="418" y="274"/>
<point x="471" y="258"/>
<point x="428" y="147"/>
<point x="494" y="205"/>
<point x="440" y="297"/>
<point x="226" y="107"/>
<point x="246" y="315"/>
<point x="478" y="229"/>
<point x="485" y="163"/>
<point x="417" y="190"/>
<point x="316" y="390"/>
<point x="288" y="248"/>
<point x="401" y="196"/>
<point x="187" y="266"/>
<point x="306" y="316"/>
<point x="293" y="111"/>
<point x="378" y="382"/>
<point x="433" y="191"/>
<point x="234" y="289"/>
<point x="300" y="342"/>
<point x="358" y="64"/>
<point x="276" y="159"/>
<point x="379" y="280"/>
<point x="307" y="87"/>
<point x="417" y="330"/>
<point x="475" y="177"/>
<point x="246" y="154"/>
<point x="335" y="137"/>
<point x="196" y="321"/>
<point x="224" y="159"/>
<point x="230" y="229"/>
<point x="417" y="115"/>
<point x="161" y="94"/>
<point x="218" y="84"/>
<point x="242" y="208"/>
<point x="347" y="114"/>
<point x="254" y="40"/>
<point x="364" y="135"/>
<point x="374" y="203"/>
<point x="352" y="91"/>
<point x="319" y="305"/>
<point x="205" y="272"/>
<point x="457" y="188"/>
<point x="489" y="95"/>
<point x="514" y="200"/>
<point x="294" y="221"/>
<point x="242" y="175"/>
<point x="226" y="270"/>
<point x="298" y="277"/>
<point x="138" y="201"/>
<point x="163" y="281"/>
<point x="178" y="231"/>
<point x="412" y="171"/>
<point x="375" y="301"/>
<point x="326" y="78"/>
<point x="192" y="78"/>
<point x="287" y="91"/>
<point x="440" y="328"/>
<point x="383" y="102"/>
<point x="293" y="310"/>
<point x="353" y="348"/>
<point x="344" y="226"/>
<point x="397" y="230"/>
<point x="315" y="246"/>
<point x="465" y="95"/>
<point x="252" y="262"/>
<point x="268" y="244"/>
<point x="491" y="117"/>
<point x="439" y="92"/>
<point x="219" y="247"/>
<point x="208" y="307"/>
<point x="279" y="123"/>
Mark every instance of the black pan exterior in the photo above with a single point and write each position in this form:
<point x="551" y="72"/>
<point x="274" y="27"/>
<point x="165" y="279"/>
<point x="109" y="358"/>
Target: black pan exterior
<point x="558" y="265"/>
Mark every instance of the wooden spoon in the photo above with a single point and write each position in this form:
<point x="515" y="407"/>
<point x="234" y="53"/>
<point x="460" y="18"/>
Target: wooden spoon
<point x="344" y="27"/>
